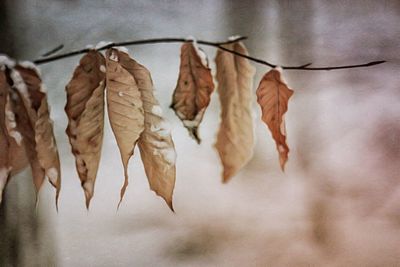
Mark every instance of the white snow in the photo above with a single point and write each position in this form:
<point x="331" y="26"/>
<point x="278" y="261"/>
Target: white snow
<point x="163" y="129"/>
<point x="196" y="121"/>
<point x="156" y="110"/>
<point x="121" y="94"/>
<point x="52" y="173"/>
<point x="280" y="70"/>
<point x="11" y="124"/>
<point x="200" y="53"/>
<point x="114" y="56"/>
<point x="17" y="136"/>
<point x="169" y="155"/>
<point x="20" y="84"/>
<point x="6" y="61"/>
<point x="30" y="65"/>
<point x="103" y="68"/>
<point x="122" y="49"/>
<point x="234" y="37"/>
<point x="102" y="44"/>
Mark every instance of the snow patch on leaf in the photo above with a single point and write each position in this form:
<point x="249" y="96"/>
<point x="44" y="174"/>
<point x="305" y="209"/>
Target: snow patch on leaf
<point x="102" y="44"/>
<point x="157" y="110"/>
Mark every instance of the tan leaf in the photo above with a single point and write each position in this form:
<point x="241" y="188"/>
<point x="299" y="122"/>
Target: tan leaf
<point x="235" y="139"/>
<point x="125" y="107"/>
<point x="156" y="147"/>
<point x="273" y="95"/>
<point x="195" y="85"/>
<point x="36" y="126"/>
<point x="85" y="111"/>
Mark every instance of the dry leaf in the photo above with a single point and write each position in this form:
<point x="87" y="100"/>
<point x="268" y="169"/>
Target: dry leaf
<point x="125" y="107"/>
<point x="85" y="111"/>
<point x="195" y="85"/>
<point x="156" y="147"/>
<point x="235" y="139"/>
<point x="273" y="95"/>
<point x="5" y="167"/>
<point x="33" y="121"/>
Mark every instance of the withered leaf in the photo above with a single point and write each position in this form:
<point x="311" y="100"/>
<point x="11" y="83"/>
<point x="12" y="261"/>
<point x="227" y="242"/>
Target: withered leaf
<point x="125" y="107"/>
<point x="5" y="167"/>
<point x="273" y="95"/>
<point x="85" y="111"/>
<point x="235" y="139"/>
<point x="36" y="127"/>
<point x="156" y="147"/>
<point x="195" y="85"/>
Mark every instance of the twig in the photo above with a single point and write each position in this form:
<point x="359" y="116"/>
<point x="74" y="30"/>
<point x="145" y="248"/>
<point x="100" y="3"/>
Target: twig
<point x="54" y="50"/>
<point x="214" y="44"/>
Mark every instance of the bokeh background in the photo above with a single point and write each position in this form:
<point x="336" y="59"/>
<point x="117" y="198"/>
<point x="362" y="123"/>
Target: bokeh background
<point x="337" y="204"/>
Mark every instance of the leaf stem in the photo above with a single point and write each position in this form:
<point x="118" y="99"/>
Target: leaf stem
<point x="208" y="43"/>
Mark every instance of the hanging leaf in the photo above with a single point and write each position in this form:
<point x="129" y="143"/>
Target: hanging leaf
<point x="5" y="167"/>
<point x="33" y="121"/>
<point x="156" y="147"/>
<point x="195" y="85"/>
<point x="235" y="139"/>
<point x="125" y="107"/>
<point x="273" y="95"/>
<point x="85" y="111"/>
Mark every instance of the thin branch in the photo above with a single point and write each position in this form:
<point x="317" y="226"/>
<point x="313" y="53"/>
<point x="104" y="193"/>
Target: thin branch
<point x="214" y="44"/>
<point x="53" y="51"/>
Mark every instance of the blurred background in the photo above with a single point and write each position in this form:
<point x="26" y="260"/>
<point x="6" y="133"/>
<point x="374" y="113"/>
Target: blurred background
<point x="337" y="204"/>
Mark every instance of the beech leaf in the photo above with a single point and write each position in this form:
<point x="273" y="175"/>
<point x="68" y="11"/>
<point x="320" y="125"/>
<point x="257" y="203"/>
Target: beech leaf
<point x="5" y="167"/>
<point x="125" y="107"/>
<point x="85" y="111"/>
<point x="273" y="95"/>
<point x="235" y="139"/>
<point x="193" y="90"/>
<point x="156" y="147"/>
<point x="36" y="127"/>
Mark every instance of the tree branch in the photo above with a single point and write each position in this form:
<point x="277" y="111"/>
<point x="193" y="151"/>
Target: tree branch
<point x="202" y="42"/>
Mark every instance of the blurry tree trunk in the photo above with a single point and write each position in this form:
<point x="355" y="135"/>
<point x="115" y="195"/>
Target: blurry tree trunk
<point x="21" y="241"/>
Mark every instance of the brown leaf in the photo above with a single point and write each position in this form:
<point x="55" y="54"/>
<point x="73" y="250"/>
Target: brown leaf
<point x="195" y="85"/>
<point x="273" y="95"/>
<point x="156" y="147"/>
<point x="5" y="167"/>
<point x="12" y="157"/>
<point x="235" y="139"/>
<point x="33" y="121"/>
<point x="85" y="111"/>
<point x="125" y="107"/>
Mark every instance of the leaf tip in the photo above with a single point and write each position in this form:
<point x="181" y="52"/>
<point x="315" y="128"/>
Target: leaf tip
<point x="193" y="131"/>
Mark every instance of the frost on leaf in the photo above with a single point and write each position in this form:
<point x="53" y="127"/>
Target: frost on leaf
<point x="273" y="95"/>
<point x="195" y="85"/>
<point x="156" y="147"/>
<point x="34" y="123"/>
<point x="125" y="106"/>
<point x="85" y="111"/>
<point x="235" y="139"/>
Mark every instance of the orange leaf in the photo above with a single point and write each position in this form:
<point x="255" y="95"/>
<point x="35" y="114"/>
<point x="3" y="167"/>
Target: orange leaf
<point x="273" y="95"/>
<point x="195" y="85"/>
